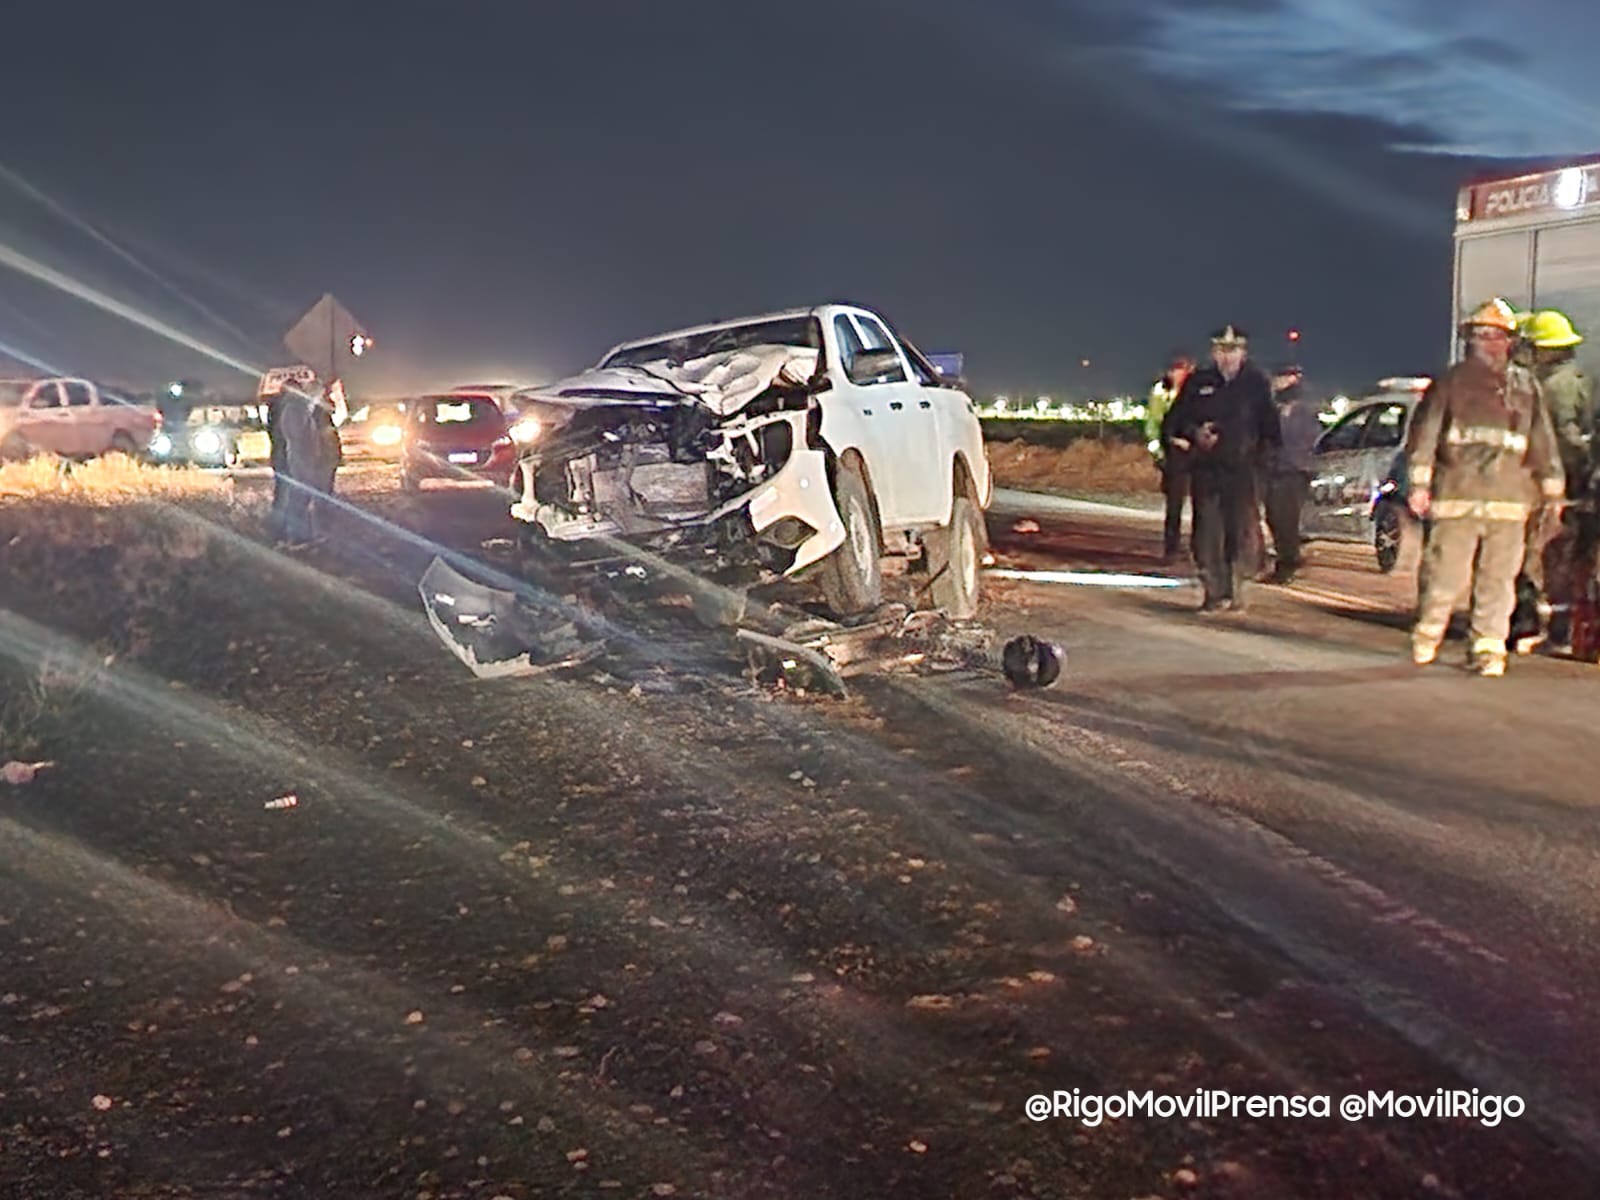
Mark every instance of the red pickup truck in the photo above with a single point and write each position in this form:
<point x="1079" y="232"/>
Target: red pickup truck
<point x="71" y="418"/>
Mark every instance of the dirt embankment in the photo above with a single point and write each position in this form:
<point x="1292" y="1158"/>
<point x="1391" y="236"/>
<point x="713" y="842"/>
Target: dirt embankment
<point x="1084" y="466"/>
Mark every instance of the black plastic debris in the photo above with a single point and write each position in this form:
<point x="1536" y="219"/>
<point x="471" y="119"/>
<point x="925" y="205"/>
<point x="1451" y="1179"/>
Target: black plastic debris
<point x="1031" y="663"/>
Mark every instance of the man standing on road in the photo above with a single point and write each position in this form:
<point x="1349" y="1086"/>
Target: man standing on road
<point x="272" y="395"/>
<point x="1288" y="478"/>
<point x="1481" y="456"/>
<point x="1225" y="422"/>
<point x="1172" y="464"/>
<point x="311" y="456"/>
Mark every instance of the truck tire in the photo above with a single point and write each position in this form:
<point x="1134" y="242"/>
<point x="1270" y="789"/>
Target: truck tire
<point x="122" y="443"/>
<point x="852" y="576"/>
<point x="955" y="555"/>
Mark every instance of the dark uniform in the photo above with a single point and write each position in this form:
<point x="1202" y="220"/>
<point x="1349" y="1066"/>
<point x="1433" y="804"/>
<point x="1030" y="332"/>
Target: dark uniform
<point x="279" y="460"/>
<point x="310" y="446"/>
<point x="1230" y="426"/>
<point x="1288" y="478"/>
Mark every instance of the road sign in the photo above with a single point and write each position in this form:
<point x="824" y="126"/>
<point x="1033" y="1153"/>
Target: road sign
<point x="327" y="335"/>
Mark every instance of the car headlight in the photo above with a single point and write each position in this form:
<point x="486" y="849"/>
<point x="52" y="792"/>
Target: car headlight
<point x="526" y="430"/>
<point x="161" y="445"/>
<point x="386" y="435"/>
<point x="208" y="441"/>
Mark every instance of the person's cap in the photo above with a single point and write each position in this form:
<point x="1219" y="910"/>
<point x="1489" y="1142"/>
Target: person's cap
<point x="1230" y="335"/>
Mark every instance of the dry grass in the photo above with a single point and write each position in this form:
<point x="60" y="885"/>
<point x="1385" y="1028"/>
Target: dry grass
<point x="1086" y="465"/>
<point x="110" y="479"/>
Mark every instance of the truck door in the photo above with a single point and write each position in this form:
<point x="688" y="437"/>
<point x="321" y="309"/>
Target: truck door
<point x="87" y="424"/>
<point x="861" y="416"/>
<point x="921" y="481"/>
<point x="43" y="422"/>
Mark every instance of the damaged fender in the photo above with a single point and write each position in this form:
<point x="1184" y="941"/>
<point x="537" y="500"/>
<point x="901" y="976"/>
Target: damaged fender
<point x="800" y="491"/>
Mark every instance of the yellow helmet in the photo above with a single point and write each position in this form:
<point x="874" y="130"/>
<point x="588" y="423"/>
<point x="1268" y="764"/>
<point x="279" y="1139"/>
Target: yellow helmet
<point x="1551" y="330"/>
<point x="1496" y="314"/>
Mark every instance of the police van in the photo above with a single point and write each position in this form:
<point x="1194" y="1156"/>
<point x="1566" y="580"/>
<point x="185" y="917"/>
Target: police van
<point x="1533" y="240"/>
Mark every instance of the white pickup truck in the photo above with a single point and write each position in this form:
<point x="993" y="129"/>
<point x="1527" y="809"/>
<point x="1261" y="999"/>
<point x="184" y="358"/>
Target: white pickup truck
<point x="818" y="440"/>
<point x="71" y="418"/>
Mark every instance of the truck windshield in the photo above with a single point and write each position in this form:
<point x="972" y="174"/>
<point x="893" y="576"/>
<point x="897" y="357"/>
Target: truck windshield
<point x="801" y="332"/>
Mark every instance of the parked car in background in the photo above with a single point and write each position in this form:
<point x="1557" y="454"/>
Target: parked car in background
<point x="71" y="418"/>
<point x="814" y="441"/>
<point x="374" y="431"/>
<point x="501" y="393"/>
<point x="1358" y="478"/>
<point x="213" y="435"/>
<point x="458" y="436"/>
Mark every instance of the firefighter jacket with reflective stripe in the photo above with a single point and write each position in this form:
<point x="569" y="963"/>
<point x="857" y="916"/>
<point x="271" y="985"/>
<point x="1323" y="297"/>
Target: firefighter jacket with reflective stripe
<point x="1569" y="397"/>
<point x="1482" y="443"/>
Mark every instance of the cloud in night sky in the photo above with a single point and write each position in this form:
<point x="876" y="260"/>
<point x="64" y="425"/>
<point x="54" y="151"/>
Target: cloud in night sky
<point x="1474" y="80"/>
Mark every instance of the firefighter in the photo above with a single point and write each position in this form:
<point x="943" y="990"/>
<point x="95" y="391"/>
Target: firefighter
<point x="1225" y="422"/>
<point x="1288" y="479"/>
<point x="1569" y="399"/>
<point x="1173" y="465"/>
<point x="1481" y="456"/>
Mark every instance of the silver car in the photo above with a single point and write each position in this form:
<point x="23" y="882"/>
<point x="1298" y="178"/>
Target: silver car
<point x="1358" y="473"/>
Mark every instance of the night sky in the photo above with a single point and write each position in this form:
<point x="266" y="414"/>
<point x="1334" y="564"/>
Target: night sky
<point x="503" y="189"/>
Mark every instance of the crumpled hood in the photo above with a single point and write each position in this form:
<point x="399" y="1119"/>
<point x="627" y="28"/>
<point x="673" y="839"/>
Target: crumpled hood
<point x="724" y="382"/>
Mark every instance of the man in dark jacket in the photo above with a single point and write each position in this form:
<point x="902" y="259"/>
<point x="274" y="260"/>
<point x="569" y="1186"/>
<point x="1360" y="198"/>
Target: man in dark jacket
<point x="279" y="459"/>
<point x="1288" y="478"/>
<point x="1225" y="422"/>
<point x="310" y="449"/>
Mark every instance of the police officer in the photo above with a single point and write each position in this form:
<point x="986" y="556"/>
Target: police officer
<point x="1225" y="422"/>
<point x="1481" y="456"/>
<point x="1173" y="465"/>
<point x="1288" y="477"/>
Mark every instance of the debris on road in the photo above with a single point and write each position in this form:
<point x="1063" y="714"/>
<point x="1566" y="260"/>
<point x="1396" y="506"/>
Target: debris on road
<point x="288" y="801"/>
<point x="18" y="773"/>
<point x="775" y="660"/>
<point x="494" y="632"/>
<point x="1026" y="525"/>
<point x="1031" y="663"/>
<point x="896" y="638"/>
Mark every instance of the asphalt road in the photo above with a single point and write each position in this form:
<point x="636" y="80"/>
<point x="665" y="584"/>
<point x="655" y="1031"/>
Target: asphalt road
<point x="647" y="929"/>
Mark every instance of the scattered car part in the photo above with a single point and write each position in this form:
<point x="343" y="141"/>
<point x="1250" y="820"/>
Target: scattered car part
<point x="1029" y="662"/>
<point x="774" y="660"/>
<point x="494" y="632"/>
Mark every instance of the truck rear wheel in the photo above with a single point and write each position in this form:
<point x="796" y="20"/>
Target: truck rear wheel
<point x="852" y="576"/>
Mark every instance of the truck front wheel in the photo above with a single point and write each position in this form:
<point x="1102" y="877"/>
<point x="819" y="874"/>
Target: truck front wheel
<point x="852" y="576"/>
